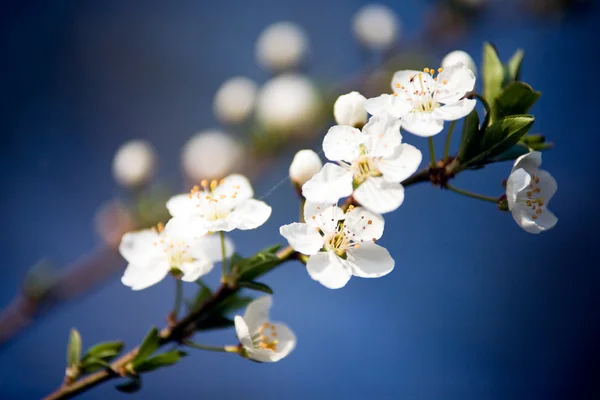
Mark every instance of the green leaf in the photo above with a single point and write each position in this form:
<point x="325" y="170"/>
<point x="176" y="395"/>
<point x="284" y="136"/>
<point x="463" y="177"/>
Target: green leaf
<point x="232" y="304"/>
<point x="533" y="139"/>
<point x="159" y="361"/>
<point x="260" y="287"/>
<point x="517" y="98"/>
<point x="104" y="350"/>
<point x="148" y="346"/>
<point x="74" y="348"/>
<point x="131" y="386"/>
<point x="493" y="73"/>
<point x="471" y="138"/>
<point x="203" y="294"/>
<point x="92" y="364"/>
<point x="502" y="135"/>
<point x="514" y="65"/>
<point x="259" y="264"/>
<point x="218" y="322"/>
<point x="511" y="154"/>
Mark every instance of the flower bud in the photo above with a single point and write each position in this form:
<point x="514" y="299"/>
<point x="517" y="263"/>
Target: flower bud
<point x="134" y="163"/>
<point x="305" y="165"/>
<point x="376" y="26"/>
<point x="349" y="109"/>
<point x="234" y="101"/>
<point x="281" y="46"/>
<point x="210" y="154"/>
<point x="459" y="56"/>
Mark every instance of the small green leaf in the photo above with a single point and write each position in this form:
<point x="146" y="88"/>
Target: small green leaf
<point x="259" y="264"/>
<point x="159" y="361"/>
<point x="514" y="65"/>
<point x="131" y="386"/>
<point x="502" y="135"/>
<point x="203" y="294"/>
<point x="511" y="154"/>
<point x="74" y="348"/>
<point x="471" y="138"/>
<point x="218" y="322"/>
<point x="148" y="346"/>
<point x="536" y="138"/>
<point x="493" y="73"/>
<point x="104" y="350"/>
<point x="92" y="364"/>
<point x="232" y="304"/>
<point x="517" y="98"/>
<point x="260" y="287"/>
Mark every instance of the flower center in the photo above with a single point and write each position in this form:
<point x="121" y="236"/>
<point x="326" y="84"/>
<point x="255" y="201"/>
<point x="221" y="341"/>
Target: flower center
<point x="363" y="167"/>
<point x="422" y="90"/>
<point x="175" y="250"/>
<point x="266" y="337"/>
<point x="533" y="200"/>
<point x="215" y="200"/>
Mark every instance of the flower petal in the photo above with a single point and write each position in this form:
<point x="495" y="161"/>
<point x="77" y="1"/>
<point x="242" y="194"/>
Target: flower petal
<point x="329" y="185"/>
<point x="379" y="196"/>
<point x="400" y="165"/>
<point x="454" y="111"/>
<point x="327" y="269"/>
<point x="257" y="313"/>
<point x="342" y="142"/>
<point x="195" y="269"/>
<point x="138" y="247"/>
<point x="517" y="181"/>
<point x="453" y="83"/>
<point x="522" y="216"/>
<point x="370" y="261"/>
<point x="209" y="247"/>
<point x="252" y="213"/>
<point x="286" y="341"/>
<point x="382" y="135"/>
<point x="395" y="106"/>
<point x="182" y="206"/>
<point x="547" y="184"/>
<point x="141" y="278"/>
<point x="363" y="225"/>
<point x="546" y="220"/>
<point x="323" y="216"/>
<point x="302" y="237"/>
<point x="406" y="78"/>
<point x="242" y="332"/>
<point x="529" y="162"/>
<point x="235" y="183"/>
<point x="186" y="228"/>
<point x="422" y="124"/>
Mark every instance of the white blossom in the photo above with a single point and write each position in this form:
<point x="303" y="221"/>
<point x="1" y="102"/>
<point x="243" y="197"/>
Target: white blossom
<point x="220" y="206"/>
<point x="234" y="100"/>
<point x="287" y="102"/>
<point x="424" y="102"/>
<point x="210" y="154"/>
<point x="372" y="163"/>
<point x="339" y="245"/>
<point x="376" y="26"/>
<point x="281" y="45"/>
<point x="305" y="165"/>
<point x="134" y="163"/>
<point x="153" y="253"/>
<point x="459" y="56"/>
<point x="349" y="109"/>
<point x="261" y="339"/>
<point x="528" y="191"/>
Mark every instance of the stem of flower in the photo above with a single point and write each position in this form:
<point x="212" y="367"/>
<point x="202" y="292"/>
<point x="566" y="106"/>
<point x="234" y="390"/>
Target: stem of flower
<point x="448" y="138"/>
<point x="431" y="151"/>
<point x="472" y="195"/>
<point x="223" y="256"/>
<point x="178" y="297"/>
<point x="222" y="349"/>
<point x="302" y="203"/>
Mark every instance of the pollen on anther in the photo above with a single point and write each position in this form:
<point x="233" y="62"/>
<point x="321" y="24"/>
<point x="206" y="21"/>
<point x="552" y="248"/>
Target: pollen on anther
<point x="370" y="222"/>
<point x="440" y="70"/>
<point x="426" y="70"/>
<point x="204" y="183"/>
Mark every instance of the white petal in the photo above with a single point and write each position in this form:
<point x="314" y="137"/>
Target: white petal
<point x="370" y="261"/>
<point x="140" y="278"/>
<point x="231" y="222"/>
<point x="454" y="111"/>
<point x="327" y="269"/>
<point x="459" y="80"/>
<point x="362" y="224"/>
<point x="517" y="181"/>
<point x="547" y="184"/>
<point x="529" y="161"/>
<point x="329" y="185"/>
<point x="522" y="216"/>
<point x="186" y="228"/>
<point x="546" y="220"/>
<point x="235" y="183"/>
<point x="252" y="214"/>
<point x="209" y="247"/>
<point x="379" y="196"/>
<point x="138" y="247"/>
<point x="403" y="79"/>
<point x="395" y="106"/>
<point x="194" y="270"/>
<point x="302" y="237"/>
<point x="242" y="332"/>
<point x="342" y="142"/>
<point x="182" y="206"/>
<point x="400" y="165"/>
<point x="286" y="340"/>
<point x="422" y="124"/>
<point x="257" y="313"/>
<point x="322" y="215"/>
<point x="382" y="135"/>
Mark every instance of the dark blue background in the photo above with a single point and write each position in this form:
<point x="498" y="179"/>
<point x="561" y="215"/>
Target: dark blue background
<point x="475" y="309"/>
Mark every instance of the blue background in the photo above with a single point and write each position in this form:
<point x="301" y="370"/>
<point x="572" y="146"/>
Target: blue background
<point x="475" y="309"/>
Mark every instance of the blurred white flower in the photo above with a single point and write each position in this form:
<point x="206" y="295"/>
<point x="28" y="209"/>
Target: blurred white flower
<point x="262" y="340"/>
<point x="153" y="253"/>
<point x="234" y="101"/>
<point x="220" y="206"/>
<point x="528" y="191"/>
<point x="134" y="163"/>
<point x="376" y="26"/>
<point x="281" y="46"/>
<point x="349" y="109"/>
<point x="210" y="154"/>
<point x="372" y="163"/>
<point x="459" y="56"/>
<point x="287" y="103"/>
<point x="305" y="165"/>
<point x="339" y="245"/>
<point x="424" y="102"/>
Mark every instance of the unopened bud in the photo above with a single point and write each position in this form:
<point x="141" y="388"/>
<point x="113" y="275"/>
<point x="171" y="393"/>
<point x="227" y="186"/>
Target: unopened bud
<point x="234" y="101"/>
<point x="281" y="46"/>
<point x="134" y="163"/>
<point x="459" y="56"/>
<point x="349" y="109"/>
<point x="376" y="26"/>
<point x="305" y="165"/>
<point x="210" y="154"/>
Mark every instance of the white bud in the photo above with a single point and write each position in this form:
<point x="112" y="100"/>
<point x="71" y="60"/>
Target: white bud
<point x="210" y="154"/>
<point x="234" y="100"/>
<point x="281" y="45"/>
<point x="286" y="103"/>
<point x="459" y="56"/>
<point x="376" y="26"/>
<point x="134" y="163"/>
<point x="349" y="109"/>
<point x="305" y="165"/>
